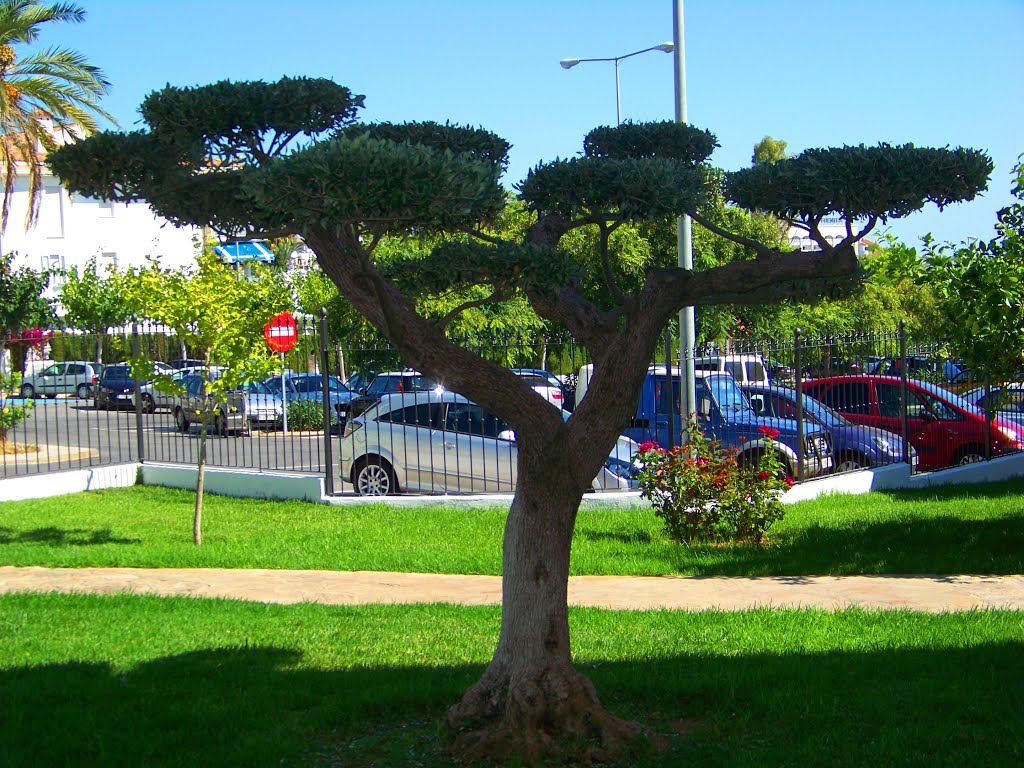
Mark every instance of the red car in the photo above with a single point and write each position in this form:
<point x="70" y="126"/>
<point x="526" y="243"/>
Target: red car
<point x="944" y="428"/>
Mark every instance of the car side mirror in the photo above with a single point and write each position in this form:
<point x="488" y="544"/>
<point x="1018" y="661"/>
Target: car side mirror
<point x="507" y="435"/>
<point x="705" y="407"/>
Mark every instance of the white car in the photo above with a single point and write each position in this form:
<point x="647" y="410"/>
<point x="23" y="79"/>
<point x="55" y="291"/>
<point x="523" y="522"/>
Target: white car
<point x="75" y="377"/>
<point x="544" y="383"/>
<point x="440" y="442"/>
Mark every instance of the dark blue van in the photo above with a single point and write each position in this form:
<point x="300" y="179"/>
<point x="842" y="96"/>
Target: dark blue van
<point x="726" y="415"/>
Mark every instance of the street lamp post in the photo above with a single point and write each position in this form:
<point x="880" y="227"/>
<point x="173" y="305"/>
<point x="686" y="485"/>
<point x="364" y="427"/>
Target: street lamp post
<point x="687" y="315"/>
<point x="570" y="63"/>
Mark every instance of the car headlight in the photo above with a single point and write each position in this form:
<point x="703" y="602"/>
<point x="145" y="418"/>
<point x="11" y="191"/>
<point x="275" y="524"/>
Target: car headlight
<point x="882" y="444"/>
<point x="1010" y="434"/>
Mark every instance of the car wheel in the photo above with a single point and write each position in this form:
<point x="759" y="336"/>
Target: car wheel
<point x="374" y="477"/>
<point x="83" y="391"/>
<point x="970" y="454"/>
<point x="27" y="391"/>
<point x="180" y="421"/>
<point x="148" y="404"/>
<point x="849" y="462"/>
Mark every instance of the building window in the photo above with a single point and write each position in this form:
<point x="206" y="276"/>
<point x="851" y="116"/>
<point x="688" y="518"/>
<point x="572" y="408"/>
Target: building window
<point x="54" y="262"/>
<point x="108" y="260"/>
<point x="51" y="212"/>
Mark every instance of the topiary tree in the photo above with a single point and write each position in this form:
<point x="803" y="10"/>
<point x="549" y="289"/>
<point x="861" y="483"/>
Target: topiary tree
<point x="226" y="156"/>
<point x="980" y="290"/>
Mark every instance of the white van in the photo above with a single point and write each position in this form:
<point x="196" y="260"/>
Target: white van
<point x="745" y="368"/>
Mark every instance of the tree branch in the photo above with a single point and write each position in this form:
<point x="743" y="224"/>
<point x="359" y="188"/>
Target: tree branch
<point x="497" y="295"/>
<point x="760" y="249"/>
<point x="606" y="267"/>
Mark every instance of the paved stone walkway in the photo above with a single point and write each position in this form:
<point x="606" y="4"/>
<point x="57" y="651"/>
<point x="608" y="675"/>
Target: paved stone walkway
<point x="919" y="593"/>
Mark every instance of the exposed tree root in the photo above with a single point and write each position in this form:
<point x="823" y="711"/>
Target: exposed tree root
<point x="554" y="715"/>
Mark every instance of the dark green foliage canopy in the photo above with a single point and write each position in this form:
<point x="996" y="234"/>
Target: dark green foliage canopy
<point x="861" y="182"/>
<point x="289" y="158"/>
<point x="669" y="140"/>
<point x="471" y="143"/>
<point x="603" y="188"/>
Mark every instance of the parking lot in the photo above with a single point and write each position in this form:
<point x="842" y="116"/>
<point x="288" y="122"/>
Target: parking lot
<point x="69" y="433"/>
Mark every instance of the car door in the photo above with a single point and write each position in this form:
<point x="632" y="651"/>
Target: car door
<point x="935" y="428"/>
<point x="411" y="436"/>
<point x="853" y="399"/>
<point x="51" y="379"/>
<point x="475" y="459"/>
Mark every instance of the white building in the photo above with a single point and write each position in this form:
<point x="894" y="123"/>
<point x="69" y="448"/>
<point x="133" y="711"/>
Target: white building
<point x="71" y="229"/>
<point x="834" y="230"/>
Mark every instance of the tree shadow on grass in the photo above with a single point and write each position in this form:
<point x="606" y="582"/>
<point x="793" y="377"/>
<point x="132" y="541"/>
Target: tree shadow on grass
<point x="944" y="545"/>
<point x="63" y="536"/>
<point x="257" y="706"/>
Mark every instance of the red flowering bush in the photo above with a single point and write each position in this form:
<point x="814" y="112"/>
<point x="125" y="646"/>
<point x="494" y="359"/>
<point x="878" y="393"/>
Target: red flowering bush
<point x="703" y="494"/>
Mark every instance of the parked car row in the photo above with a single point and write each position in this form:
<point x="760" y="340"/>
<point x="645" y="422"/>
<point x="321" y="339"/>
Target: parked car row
<point x="944" y="428"/>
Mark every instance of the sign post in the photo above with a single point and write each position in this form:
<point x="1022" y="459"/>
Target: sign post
<point x="281" y="334"/>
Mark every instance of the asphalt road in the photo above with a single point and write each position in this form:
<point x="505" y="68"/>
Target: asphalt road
<point x="70" y="433"/>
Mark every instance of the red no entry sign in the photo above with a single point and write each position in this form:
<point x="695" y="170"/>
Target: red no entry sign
<point x="281" y="332"/>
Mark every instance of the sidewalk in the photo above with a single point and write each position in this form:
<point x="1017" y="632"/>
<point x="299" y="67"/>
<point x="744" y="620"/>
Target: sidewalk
<point x="918" y="593"/>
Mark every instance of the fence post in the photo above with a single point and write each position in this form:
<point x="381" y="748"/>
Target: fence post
<point x="989" y="416"/>
<point x="798" y="380"/>
<point x="139" y="437"/>
<point x="326" y="386"/>
<point x="904" y="430"/>
<point x="670" y="404"/>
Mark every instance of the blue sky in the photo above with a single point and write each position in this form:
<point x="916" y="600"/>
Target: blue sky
<point x="817" y="73"/>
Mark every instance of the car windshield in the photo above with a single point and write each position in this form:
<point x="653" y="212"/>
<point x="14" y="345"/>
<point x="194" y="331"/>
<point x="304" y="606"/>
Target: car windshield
<point x="820" y="412"/>
<point x="725" y="392"/>
<point x="950" y="397"/>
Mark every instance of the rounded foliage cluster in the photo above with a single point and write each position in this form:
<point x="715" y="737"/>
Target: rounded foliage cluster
<point x="396" y="186"/>
<point x="642" y="189"/>
<point x="291" y="105"/>
<point x="665" y="139"/>
<point x="856" y="182"/>
<point x="472" y="143"/>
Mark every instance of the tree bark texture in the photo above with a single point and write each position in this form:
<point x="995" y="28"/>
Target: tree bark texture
<point x="531" y="703"/>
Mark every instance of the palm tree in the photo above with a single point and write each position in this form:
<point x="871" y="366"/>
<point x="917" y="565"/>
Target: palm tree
<point x="54" y="87"/>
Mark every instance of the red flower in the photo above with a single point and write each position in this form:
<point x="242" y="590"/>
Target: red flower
<point x="649" y="445"/>
<point x="763" y="475"/>
<point x="770" y="432"/>
<point x="789" y="481"/>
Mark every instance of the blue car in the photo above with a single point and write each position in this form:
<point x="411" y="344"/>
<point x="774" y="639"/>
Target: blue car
<point x="724" y="414"/>
<point x="854" y="446"/>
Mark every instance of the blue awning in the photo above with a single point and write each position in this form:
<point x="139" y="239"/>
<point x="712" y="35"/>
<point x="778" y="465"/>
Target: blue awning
<point x="236" y="253"/>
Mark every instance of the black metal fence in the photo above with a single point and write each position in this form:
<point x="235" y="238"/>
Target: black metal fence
<point x="920" y="400"/>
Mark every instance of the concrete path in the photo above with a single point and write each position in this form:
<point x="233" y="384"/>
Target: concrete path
<point x="919" y="593"/>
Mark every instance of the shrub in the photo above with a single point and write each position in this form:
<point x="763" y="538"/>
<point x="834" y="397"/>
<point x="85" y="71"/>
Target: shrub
<point x="11" y="415"/>
<point x="703" y="494"/>
<point x="305" y="414"/>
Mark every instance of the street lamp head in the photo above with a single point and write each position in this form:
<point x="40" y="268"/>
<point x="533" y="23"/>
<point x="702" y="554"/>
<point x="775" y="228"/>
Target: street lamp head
<point x="569" y="63"/>
<point x="666" y="47"/>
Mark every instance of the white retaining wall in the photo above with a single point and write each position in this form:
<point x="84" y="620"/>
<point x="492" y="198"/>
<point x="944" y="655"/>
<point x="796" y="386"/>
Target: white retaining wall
<point x="280" y="485"/>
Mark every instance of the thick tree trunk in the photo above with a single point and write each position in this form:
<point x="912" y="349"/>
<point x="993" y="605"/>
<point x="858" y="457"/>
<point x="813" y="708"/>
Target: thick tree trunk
<point x="531" y="703"/>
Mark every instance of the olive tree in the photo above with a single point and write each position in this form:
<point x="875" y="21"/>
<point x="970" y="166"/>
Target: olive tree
<point x="238" y="157"/>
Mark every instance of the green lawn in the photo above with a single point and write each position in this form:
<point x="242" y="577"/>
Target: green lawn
<point x="133" y="680"/>
<point x="962" y="529"/>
